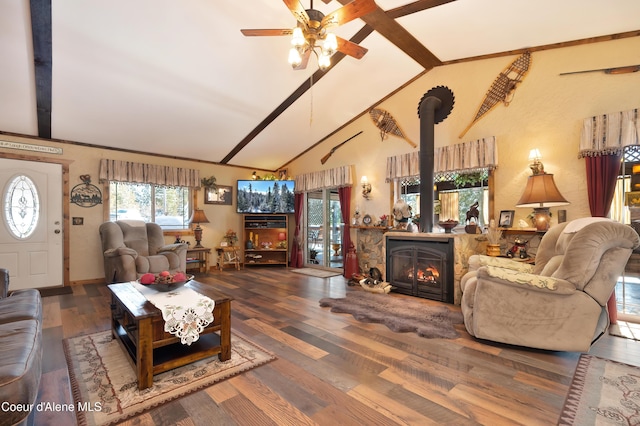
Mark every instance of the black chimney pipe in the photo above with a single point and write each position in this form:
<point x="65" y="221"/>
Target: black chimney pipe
<point x="434" y="107"/>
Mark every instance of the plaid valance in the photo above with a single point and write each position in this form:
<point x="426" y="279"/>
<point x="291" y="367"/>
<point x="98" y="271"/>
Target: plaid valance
<point x="609" y="133"/>
<point x="464" y="157"/>
<point x="127" y="171"/>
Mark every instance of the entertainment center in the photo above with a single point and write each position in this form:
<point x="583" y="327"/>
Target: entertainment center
<point x="265" y="239"/>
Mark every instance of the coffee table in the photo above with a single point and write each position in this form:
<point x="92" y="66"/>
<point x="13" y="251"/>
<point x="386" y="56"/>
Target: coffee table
<point x="139" y="328"/>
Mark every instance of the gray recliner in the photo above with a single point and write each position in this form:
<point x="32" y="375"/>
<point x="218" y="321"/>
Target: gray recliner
<point x="132" y="248"/>
<point x="558" y="304"/>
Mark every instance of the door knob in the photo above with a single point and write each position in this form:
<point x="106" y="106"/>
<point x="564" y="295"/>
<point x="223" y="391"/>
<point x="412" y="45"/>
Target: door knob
<point x="57" y="231"/>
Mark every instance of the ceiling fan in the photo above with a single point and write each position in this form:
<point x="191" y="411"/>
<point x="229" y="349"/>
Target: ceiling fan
<point x="311" y="32"/>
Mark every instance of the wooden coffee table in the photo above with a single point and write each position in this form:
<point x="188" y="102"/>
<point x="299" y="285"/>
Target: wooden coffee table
<point x="139" y="327"/>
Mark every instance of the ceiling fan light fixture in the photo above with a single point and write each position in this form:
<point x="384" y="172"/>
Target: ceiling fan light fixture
<point x="330" y="44"/>
<point x="324" y="61"/>
<point x="294" y="57"/>
<point x="297" y="39"/>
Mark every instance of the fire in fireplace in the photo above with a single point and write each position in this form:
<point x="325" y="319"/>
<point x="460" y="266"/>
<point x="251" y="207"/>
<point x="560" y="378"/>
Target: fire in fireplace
<point x="421" y="266"/>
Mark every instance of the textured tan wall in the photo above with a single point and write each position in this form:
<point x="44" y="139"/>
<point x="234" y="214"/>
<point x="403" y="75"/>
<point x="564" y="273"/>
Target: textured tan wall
<point x="546" y="113"/>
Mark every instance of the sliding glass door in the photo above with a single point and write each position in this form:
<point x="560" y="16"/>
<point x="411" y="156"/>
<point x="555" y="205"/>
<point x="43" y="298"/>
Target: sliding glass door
<point x="324" y="228"/>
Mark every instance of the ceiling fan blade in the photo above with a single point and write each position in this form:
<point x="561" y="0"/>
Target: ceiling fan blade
<point x="267" y="32"/>
<point x="349" y="48"/>
<point x="305" y="60"/>
<point x="298" y="11"/>
<point x="349" y="12"/>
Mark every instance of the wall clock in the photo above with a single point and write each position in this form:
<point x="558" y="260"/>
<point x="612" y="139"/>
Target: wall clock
<point x="366" y="220"/>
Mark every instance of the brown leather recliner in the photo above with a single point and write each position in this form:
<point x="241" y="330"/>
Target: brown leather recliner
<point x="132" y="248"/>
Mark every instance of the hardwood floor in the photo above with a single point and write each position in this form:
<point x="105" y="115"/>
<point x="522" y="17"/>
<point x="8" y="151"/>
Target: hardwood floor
<point x="332" y="369"/>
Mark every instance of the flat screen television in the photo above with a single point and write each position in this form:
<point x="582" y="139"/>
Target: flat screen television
<point x="265" y="196"/>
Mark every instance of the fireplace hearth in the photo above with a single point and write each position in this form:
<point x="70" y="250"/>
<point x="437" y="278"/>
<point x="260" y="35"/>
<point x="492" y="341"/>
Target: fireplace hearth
<point x="420" y="265"/>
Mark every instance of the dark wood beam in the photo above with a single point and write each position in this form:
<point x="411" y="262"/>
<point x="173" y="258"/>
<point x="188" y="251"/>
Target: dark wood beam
<point x="385" y="24"/>
<point x="41" y="29"/>
<point x="301" y="90"/>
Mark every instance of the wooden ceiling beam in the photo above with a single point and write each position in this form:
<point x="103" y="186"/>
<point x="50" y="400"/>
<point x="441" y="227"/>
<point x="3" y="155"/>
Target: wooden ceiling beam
<point x="41" y="29"/>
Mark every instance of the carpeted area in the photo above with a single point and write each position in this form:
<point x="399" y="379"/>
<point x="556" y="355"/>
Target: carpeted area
<point x="399" y="314"/>
<point x="312" y="272"/>
<point x="602" y="392"/>
<point x="105" y="388"/>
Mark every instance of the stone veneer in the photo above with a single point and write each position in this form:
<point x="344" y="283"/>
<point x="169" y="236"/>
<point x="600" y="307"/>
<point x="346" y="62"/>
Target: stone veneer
<point x="371" y="251"/>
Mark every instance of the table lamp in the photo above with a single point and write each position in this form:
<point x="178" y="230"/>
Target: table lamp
<point x="198" y="217"/>
<point x="541" y="193"/>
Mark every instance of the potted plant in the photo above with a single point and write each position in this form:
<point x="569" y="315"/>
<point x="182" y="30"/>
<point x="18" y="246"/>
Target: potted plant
<point x="231" y="237"/>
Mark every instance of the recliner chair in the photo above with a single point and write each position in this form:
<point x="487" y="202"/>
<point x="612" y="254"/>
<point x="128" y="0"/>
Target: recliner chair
<point x="558" y="304"/>
<point x="132" y="248"/>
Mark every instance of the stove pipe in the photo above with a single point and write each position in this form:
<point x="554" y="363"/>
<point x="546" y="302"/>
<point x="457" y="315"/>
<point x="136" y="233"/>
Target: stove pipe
<point x="434" y="107"/>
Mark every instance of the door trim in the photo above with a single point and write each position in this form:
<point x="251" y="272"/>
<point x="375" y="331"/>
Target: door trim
<point x="65" y="203"/>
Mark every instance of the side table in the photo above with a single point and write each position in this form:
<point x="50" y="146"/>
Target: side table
<point x="198" y="259"/>
<point x="228" y="255"/>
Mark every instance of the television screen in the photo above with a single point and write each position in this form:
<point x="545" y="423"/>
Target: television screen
<point x="265" y="196"/>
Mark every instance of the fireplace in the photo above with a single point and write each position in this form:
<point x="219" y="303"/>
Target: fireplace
<point x="420" y="265"/>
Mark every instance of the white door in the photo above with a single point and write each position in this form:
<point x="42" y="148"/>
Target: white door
<point x="31" y="236"/>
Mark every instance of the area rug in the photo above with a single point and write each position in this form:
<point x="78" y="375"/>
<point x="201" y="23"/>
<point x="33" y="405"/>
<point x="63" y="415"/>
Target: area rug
<point x="320" y="273"/>
<point x="603" y="392"/>
<point x="399" y="314"/>
<point x="105" y="388"/>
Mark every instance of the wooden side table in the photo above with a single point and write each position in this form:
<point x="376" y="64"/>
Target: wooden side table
<point x="198" y="259"/>
<point x="229" y="255"/>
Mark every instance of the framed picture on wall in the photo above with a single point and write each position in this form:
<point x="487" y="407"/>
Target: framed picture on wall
<point x="506" y="218"/>
<point x="221" y="194"/>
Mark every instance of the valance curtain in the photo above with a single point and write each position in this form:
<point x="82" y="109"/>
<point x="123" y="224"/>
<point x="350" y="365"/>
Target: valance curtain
<point x="463" y="157"/>
<point x="609" y="133"/>
<point x="332" y="178"/>
<point x="127" y="171"/>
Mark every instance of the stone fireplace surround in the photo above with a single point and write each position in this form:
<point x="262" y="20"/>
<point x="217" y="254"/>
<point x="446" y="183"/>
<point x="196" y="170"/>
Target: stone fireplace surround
<point x="371" y="251"/>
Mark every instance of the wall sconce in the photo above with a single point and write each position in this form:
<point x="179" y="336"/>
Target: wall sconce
<point x="536" y="165"/>
<point x="366" y="187"/>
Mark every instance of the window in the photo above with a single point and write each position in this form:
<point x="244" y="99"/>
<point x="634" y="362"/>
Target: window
<point x="168" y="206"/>
<point x="619" y="210"/>
<point x="454" y="194"/>
<point x="21" y="206"/>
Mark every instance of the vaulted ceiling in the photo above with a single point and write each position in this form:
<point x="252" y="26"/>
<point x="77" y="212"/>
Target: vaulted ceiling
<point x="178" y="78"/>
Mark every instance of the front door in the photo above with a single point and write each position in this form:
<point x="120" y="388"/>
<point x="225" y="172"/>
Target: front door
<point x="31" y="240"/>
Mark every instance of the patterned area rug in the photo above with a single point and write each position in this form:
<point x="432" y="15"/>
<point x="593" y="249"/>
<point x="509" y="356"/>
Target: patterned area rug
<point x="603" y="392"/>
<point x="320" y="273"/>
<point x="400" y="314"/>
<point x="103" y="380"/>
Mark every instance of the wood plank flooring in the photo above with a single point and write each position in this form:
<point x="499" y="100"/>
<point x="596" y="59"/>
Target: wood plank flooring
<point x="332" y="369"/>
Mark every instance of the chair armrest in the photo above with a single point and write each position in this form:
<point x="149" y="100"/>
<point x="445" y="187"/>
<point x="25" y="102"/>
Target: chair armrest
<point x="479" y="260"/>
<point x="121" y="251"/>
<point x="517" y="279"/>
<point x="173" y="247"/>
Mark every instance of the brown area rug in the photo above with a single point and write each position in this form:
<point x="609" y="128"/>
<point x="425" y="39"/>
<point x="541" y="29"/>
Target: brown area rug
<point x="399" y="314"/>
<point x="105" y="388"/>
<point x="602" y="392"/>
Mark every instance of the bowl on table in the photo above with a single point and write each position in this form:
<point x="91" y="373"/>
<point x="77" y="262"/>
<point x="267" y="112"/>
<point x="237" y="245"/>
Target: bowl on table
<point x="448" y="225"/>
<point x="162" y="282"/>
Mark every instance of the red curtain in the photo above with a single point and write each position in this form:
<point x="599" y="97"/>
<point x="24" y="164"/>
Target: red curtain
<point x="344" y="194"/>
<point x="297" y="260"/>
<point x="602" y="173"/>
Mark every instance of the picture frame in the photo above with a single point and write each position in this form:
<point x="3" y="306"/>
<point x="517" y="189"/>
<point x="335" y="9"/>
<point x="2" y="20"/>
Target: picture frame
<point x="506" y="218"/>
<point x="221" y="194"/>
<point x="632" y="199"/>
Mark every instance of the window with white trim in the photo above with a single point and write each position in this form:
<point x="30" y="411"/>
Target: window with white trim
<point x="168" y="206"/>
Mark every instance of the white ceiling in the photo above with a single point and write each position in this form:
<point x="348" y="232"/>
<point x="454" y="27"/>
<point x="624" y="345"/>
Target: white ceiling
<point x="178" y="78"/>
